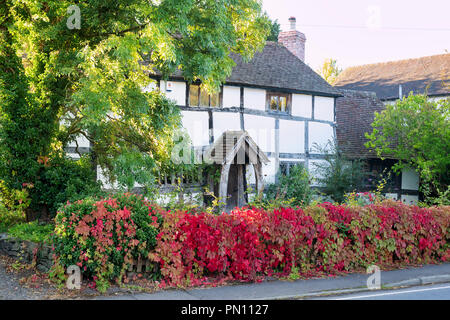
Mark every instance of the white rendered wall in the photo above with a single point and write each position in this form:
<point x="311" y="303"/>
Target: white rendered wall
<point x="151" y="87"/>
<point x="255" y="99"/>
<point x="102" y="178"/>
<point x="410" y="179"/>
<point x="262" y="131"/>
<point x="302" y="105"/>
<point x="324" y="108"/>
<point x="438" y="98"/>
<point x="223" y="121"/>
<point x="314" y="172"/>
<point x="196" y="124"/>
<point x="164" y="199"/>
<point x="73" y="156"/>
<point x="231" y="96"/>
<point x="320" y="133"/>
<point x="250" y="174"/>
<point x="407" y="199"/>
<point x="292" y="160"/>
<point x="269" y="172"/>
<point x="82" y="142"/>
<point x="177" y="91"/>
<point x="292" y="136"/>
<point x="393" y="196"/>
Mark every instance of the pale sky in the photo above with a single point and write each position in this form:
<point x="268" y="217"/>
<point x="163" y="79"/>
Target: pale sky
<point x="356" y="32"/>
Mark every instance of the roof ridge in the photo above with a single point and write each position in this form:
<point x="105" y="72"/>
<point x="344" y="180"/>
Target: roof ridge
<point x="395" y="61"/>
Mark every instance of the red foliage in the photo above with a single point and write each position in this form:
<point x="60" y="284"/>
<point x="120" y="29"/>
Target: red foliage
<point x="250" y="243"/>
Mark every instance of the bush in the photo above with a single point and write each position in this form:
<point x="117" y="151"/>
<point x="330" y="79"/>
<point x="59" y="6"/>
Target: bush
<point x="62" y="180"/>
<point x="248" y="244"/>
<point x="291" y="190"/>
<point x="362" y="198"/>
<point x="102" y="237"/>
<point x="13" y="204"/>
<point x="338" y="175"/>
<point x="32" y="231"/>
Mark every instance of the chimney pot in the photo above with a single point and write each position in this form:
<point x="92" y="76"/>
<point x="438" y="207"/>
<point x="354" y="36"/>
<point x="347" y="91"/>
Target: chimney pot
<point x="293" y="22"/>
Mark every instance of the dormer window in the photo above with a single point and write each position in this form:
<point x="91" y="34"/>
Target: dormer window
<point x="278" y="102"/>
<point x="201" y="98"/>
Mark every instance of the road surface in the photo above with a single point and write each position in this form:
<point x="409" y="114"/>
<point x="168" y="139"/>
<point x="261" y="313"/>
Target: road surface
<point x="430" y="292"/>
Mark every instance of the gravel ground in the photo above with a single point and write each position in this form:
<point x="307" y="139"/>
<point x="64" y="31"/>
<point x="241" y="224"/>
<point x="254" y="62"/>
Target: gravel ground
<point x="26" y="283"/>
<point x="10" y="288"/>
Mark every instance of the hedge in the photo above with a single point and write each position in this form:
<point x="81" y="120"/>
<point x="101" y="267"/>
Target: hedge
<point x="102" y="237"/>
<point x="247" y="244"/>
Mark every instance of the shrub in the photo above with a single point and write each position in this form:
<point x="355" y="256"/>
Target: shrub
<point x="61" y="180"/>
<point x="338" y="175"/>
<point x="13" y="204"/>
<point x="32" y="231"/>
<point x="248" y="244"/>
<point x="293" y="188"/>
<point x="362" y="198"/>
<point x="102" y="237"/>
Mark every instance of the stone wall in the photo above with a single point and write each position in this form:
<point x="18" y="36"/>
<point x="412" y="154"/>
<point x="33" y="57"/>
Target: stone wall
<point x="27" y="252"/>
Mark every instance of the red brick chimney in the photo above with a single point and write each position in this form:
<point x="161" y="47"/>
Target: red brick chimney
<point x="293" y="40"/>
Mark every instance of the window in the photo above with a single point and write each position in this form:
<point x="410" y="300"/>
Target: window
<point x="201" y="98"/>
<point x="278" y="102"/>
<point x="285" y="166"/>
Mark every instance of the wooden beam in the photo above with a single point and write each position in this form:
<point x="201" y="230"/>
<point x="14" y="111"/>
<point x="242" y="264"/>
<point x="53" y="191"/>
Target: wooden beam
<point x="223" y="186"/>
<point x="240" y="176"/>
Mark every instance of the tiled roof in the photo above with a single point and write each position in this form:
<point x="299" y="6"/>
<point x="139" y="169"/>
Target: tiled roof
<point x="230" y="143"/>
<point x="413" y="74"/>
<point x="354" y="115"/>
<point x="276" y="67"/>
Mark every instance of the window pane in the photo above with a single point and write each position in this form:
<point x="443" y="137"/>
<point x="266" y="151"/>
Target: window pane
<point x="282" y="105"/>
<point x="193" y="96"/>
<point x="274" y="103"/>
<point x="215" y="100"/>
<point x="204" y="99"/>
<point x="283" y="168"/>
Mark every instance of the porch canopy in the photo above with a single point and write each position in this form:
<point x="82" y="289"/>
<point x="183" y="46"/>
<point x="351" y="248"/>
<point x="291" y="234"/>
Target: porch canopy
<point x="233" y="150"/>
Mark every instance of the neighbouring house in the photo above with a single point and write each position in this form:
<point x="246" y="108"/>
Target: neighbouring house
<point x="367" y="89"/>
<point x="394" y="79"/>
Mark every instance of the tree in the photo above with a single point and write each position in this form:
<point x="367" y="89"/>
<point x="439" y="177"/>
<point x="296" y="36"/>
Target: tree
<point x="274" y="31"/>
<point x="416" y="131"/>
<point x="78" y="70"/>
<point x="329" y="71"/>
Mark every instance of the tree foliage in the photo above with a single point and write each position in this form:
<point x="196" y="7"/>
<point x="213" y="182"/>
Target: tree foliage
<point x="329" y="71"/>
<point x="58" y="83"/>
<point x="338" y="174"/>
<point x="274" y="31"/>
<point x="416" y="131"/>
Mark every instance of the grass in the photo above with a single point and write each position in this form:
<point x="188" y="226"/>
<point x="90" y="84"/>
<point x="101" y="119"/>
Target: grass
<point x="31" y="231"/>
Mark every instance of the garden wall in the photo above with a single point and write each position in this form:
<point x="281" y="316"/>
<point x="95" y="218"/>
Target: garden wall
<point x="27" y="252"/>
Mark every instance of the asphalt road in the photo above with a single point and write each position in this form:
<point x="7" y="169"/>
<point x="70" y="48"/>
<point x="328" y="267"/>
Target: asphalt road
<point x="430" y="292"/>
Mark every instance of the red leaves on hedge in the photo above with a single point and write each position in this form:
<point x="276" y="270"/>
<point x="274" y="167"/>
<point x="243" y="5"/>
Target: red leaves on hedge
<point x="249" y="243"/>
<point x="101" y="236"/>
